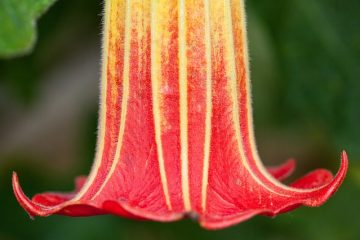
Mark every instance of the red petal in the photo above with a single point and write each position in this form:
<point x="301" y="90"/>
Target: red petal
<point x="314" y="179"/>
<point x="175" y="129"/>
<point x="283" y="171"/>
<point x="79" y="183"/>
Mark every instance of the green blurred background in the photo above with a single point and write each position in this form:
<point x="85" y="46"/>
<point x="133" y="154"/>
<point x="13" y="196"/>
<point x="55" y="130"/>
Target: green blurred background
<point x="305" y="61"/>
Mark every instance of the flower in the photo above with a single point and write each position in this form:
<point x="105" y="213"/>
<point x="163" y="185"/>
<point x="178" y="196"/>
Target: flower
<point x="175" y="130"/>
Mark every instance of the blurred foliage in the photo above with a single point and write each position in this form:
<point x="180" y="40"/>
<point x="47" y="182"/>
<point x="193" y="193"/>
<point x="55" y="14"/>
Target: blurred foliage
<point x="61" y="31"/>
<point x="305" y="58"/>
<point x="18" y="23"/>
<point x="317" y="46"/>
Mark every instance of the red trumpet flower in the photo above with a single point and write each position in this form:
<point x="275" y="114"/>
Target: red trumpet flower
<point x="175" y="130"/>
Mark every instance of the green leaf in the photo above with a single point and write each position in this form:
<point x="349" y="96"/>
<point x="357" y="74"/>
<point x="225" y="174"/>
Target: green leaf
<point x="18" y="25"/>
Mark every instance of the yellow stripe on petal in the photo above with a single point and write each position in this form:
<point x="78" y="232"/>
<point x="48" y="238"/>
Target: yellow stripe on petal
<point x="156" y="44"/>
<point x="208" y="105"/>
<point x="183" y="85"/>
<point x="125" y="95"/>
<point x="113" y="14"/>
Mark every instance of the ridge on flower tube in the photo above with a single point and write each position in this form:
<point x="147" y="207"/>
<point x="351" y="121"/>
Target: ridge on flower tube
<point x="175" y="127"/>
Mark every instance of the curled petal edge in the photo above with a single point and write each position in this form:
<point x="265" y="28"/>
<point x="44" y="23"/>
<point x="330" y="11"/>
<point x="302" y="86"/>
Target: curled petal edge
<point x="321" y="183"/>
<point x="323" y="186"/>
